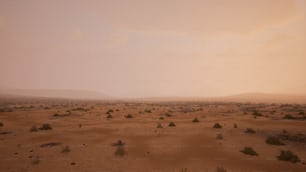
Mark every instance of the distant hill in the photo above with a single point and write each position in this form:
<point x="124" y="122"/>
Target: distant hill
<point x="267" y="98"/>
<point x="246" y="97"/>
<point x="69" y="94"/>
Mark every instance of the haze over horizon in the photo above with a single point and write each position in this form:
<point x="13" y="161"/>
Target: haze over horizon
<point x="158" y="48"/>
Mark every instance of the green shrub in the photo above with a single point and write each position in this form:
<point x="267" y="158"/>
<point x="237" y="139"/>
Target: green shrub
<point x="273" y="141"/>
<point x="129" y="116"/>
<point x="217" y="125"/>
<point x="288" y="156"/>
<point x="250" y="131"/>
<point x="45" y="127"/>
<point x="171" y="124"/>
<point x="66" y="149"/>
<point x="249" y="151"/>
<point x="195" y="120"/>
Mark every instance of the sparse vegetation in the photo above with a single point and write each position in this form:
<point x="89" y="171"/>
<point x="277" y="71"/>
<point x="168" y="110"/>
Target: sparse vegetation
<point x="249" y="151"/>
<point x="272" y="140"/>
<point x="195" y="120"/>
<point x="288" y="156"/>
<point x="217" y="125"/>
<point x="171" y="124"/>
<point x="45" y="127"/>
<point x="66" y="149"/>
<point x="250" y="131"/>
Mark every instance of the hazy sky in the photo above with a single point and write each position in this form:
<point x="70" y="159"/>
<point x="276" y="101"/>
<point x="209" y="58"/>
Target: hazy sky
<point x="137" y="48"/>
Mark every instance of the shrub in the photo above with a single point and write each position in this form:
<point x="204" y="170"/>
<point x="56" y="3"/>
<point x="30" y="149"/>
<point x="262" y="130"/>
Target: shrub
<point x="66" y="149"/>
<point x="288" y="116"/>
<point x="235" y="125"/>
<point x="301" y="113"/>
<point x="1" y="124"/>
<point x="109" y="116"/>
<point x="250" y="131"/>
<point x="120" y="151"/>
<point x="171" y="124"/>
<point x="256" y="113"/>
<point x="217" y="125"/>
<point x="45" y="127"/>
<point x="273" y="141"/>
<point x="288" y="156"/>
<point x="129" y="116"/>
<point x="249" y="151"/>
<point x="195" y="120"/>
<point x="159" y="125"/>
<point x="109" y="111"/>
<point x="34" y="129"/>
<point x="161" y="118"/>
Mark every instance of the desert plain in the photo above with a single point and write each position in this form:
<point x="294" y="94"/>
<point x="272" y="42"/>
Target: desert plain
<point x="168" y="136"/>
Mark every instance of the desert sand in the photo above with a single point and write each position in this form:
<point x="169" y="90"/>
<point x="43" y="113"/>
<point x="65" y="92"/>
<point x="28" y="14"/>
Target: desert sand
<point x="123" y="136"/>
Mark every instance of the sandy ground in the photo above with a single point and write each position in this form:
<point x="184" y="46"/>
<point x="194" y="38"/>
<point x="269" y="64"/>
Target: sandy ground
<point x="189" y="145"/>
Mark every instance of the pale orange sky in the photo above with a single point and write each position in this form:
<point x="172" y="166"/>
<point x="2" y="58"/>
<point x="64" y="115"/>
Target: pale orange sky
<point x="138" y="48"/>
